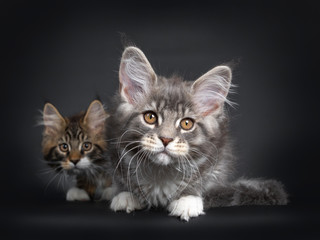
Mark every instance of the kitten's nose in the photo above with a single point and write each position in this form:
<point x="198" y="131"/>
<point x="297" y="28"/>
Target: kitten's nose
<point x="74" y="157"/>
<point x="74" y="161"/>
<point x="165" y="140"/>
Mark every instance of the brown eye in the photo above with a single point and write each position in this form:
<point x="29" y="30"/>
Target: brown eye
<point x="186" y="123"/>
<point x="150" y="117"/>
<point x="86" y="146"/>
<point x="64" y="147"/>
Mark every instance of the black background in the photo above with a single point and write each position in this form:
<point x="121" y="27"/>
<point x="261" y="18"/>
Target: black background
<point x="68" y="53"/>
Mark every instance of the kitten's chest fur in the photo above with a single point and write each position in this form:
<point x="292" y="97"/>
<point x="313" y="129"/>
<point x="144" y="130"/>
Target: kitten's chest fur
<point x="160" y="189"/>
<point x="158" y="186"/>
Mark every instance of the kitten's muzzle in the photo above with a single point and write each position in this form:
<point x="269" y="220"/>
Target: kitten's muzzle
<point x="74" y="157"/>
<point x="165" y="140"/>
<point x="74" y="161"/>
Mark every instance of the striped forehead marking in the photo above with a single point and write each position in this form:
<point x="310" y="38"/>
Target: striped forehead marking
<point x="180" y="109"/>
<point x="74" y="135"/>
<point x="154" y="105"/>
<point x="162" y="104"/>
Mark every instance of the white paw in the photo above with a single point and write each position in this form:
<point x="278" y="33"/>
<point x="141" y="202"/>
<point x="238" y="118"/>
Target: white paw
<point x="125" y="201"/>
<point x="186" y="207"/>
<point x="107" y="194"/>
<point x="77" y="194"/>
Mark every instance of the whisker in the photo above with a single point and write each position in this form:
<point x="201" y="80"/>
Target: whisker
<point x="128" y="172"/>
<point x="194" y="165"/>
<point x="53" y="178"/>
<point x="120" y="160"/>
<point x="142" y="158"/>
<point x="128" y="145"/>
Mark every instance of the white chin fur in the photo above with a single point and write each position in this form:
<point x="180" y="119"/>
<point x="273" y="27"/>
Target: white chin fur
<point x="83" y="163"/>
<point x="162" y="159"/>
<point x="186" y="207"/>
<point x="77" y="194"/>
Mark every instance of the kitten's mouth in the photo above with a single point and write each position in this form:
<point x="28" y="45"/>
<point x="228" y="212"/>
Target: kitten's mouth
<point x="163" y="158"/>
<point x="74" y="170"/>
<point x="165" y="151"/>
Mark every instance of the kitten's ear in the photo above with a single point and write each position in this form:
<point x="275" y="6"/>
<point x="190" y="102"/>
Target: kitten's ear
<point x="95" y="117"/>
<point x="52" y="119"/>
<point x="136" y="75"/>
<point x="209" y="92"/>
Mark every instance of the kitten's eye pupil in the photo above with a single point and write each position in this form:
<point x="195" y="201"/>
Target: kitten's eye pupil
<point x="86" y="146"/>
<point x="64" y="147"/>
<point x="186" y="123"/>
<point x="150" y="117"/>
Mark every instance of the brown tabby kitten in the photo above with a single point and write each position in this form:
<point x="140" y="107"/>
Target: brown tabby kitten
<point x="75" y="146"/>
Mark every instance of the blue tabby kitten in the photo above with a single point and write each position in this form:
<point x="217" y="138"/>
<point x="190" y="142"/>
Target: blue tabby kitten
<point x="75" y="146"/>
<point x="172" y="148"/>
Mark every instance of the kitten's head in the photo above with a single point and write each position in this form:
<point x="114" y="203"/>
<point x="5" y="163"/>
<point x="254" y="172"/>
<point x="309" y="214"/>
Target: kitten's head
<point x="77" y="143"/>
<point x="170" y="119"/>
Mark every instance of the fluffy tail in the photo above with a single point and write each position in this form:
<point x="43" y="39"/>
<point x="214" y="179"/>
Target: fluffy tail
<point x="247" y="192"/>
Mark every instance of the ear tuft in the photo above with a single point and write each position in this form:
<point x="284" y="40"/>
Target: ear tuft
<point x="136" y="75"/>
<point x="210" y="91"/>
<point x="52" y="119"/>
<point x="95" y="117"/>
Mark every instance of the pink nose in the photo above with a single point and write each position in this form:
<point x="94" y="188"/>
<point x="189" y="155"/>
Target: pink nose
<point x="166" y="141"/>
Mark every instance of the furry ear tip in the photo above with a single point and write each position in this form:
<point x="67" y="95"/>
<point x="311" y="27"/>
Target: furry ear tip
<point x="224" y="70"/>
<point x="95" y="107"/>
<point x="47" y="104"/>
<point x="48" y="108"/>
<point x="96" y="102"/>
<point x="223" y="67"/>
<point x="131" y="51"/>
<point x="131" y="48"/>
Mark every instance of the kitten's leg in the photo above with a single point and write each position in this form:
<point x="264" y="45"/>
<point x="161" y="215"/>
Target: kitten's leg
<point x="186" y="207"/>
<point x="125" y="201"/>
<point x="77" y="194"/>
<point x="107" y="193"/>
<point x="87" y="185"/>
<point x="108" y="190"/>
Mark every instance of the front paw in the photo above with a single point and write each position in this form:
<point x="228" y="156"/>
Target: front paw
<point x="77" y="194"/>
<point x="125" y="201"/>
<point x="186" y="207"/>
